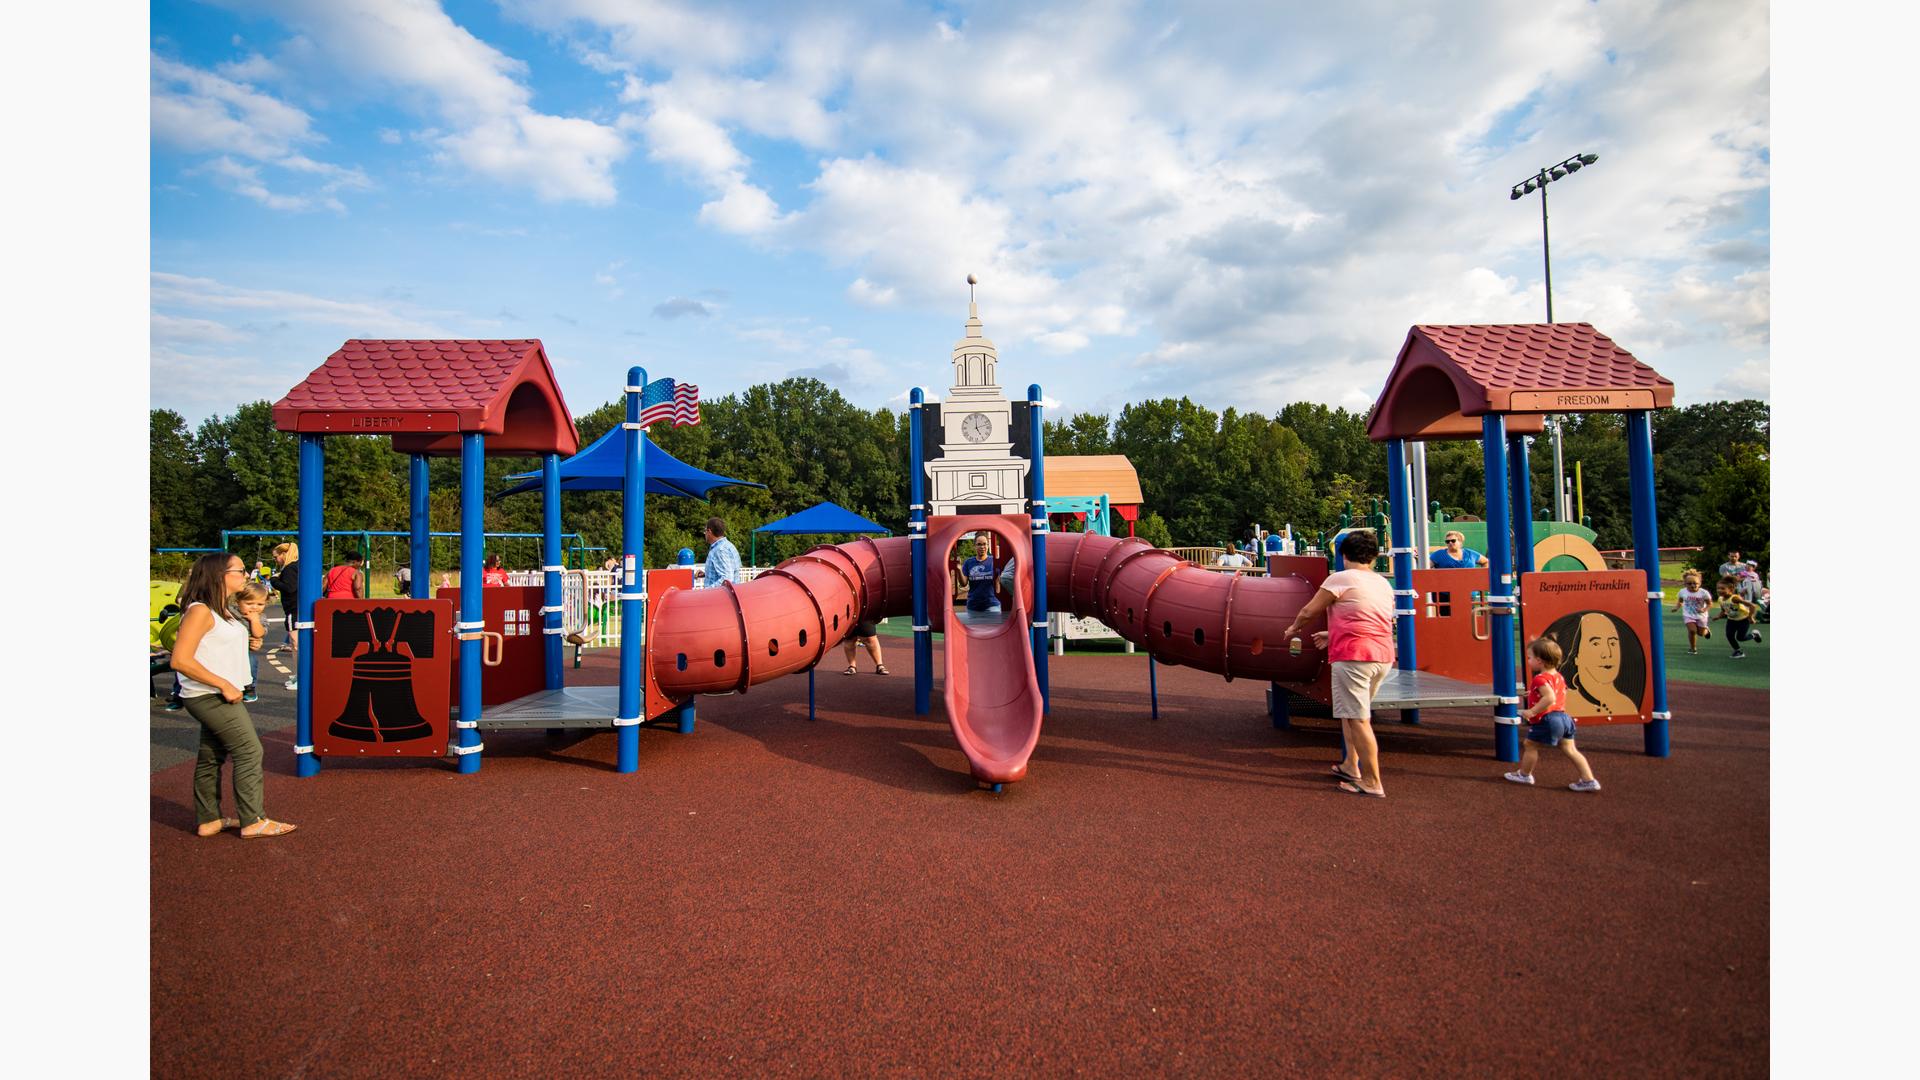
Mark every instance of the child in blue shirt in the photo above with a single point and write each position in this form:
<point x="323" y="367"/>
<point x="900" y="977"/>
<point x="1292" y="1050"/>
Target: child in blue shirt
<point x="979" y="575"/>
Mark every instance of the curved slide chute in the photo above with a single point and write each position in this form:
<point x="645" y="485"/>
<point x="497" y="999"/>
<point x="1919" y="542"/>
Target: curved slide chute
<point x="786" y="619"/>
<point x="993" y="694"/>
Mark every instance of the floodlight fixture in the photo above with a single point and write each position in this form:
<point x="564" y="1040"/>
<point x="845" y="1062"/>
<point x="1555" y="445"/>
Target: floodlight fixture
<point x="1540" y="180"/>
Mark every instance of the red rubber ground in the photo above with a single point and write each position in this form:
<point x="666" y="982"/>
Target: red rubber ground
<point x="1184" y="896"/>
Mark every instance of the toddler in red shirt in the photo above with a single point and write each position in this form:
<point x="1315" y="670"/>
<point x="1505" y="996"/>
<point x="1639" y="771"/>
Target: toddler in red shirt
<point x="1547" y="709"/>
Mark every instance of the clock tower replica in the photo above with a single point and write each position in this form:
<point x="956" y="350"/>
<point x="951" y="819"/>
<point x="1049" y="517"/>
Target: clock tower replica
<point x="976" y="471"/>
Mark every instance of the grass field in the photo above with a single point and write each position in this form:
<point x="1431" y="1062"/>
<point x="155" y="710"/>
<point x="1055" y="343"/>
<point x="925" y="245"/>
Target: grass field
<point x="1715" y="666"/>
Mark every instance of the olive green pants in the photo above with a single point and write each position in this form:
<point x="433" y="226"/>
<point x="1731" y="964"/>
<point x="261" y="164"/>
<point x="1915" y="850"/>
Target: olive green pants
<point x="226" y="731"/>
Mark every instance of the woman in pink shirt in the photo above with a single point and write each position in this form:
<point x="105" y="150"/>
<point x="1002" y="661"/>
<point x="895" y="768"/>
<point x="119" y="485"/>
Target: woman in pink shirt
<point x="1359" y="644"/>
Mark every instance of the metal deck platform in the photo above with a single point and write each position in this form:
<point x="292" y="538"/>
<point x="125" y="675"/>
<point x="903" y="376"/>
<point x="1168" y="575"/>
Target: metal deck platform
<point x="568" y="707"/>
<point x="1425" y="690"/>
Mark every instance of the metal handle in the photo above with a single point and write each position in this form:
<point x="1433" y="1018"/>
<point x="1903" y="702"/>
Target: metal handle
<point x="493" y="648"/>
<point x="1482" y="618"/>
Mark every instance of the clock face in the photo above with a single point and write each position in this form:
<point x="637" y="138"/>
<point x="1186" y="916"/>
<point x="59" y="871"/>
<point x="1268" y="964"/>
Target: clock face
<point x="976" y="427"/>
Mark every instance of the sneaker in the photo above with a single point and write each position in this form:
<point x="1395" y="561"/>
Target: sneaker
<point x="174" y="704"/>
<point x="1584" y="785"/>
<point x="1520" y="778"/>
<point x="1755" y="635"/>
<point x="1738" y="655"/>
<point x="292" y="684"/>
<point x="251" y="693"/>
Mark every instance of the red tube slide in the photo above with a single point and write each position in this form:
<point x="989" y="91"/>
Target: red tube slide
<point x="784" y="621"/>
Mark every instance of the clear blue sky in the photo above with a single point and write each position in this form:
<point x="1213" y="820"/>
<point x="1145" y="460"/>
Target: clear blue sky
<point x="1246" y="205"/>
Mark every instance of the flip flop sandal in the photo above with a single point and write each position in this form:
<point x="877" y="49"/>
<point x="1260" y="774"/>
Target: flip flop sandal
<point x="1356" y="789"/>
<point x="1344" y="775"/>
<point x="851" y="670"/>
<point x="269" y="827"/>
<point x="882" y="670"/>
<point x="225" y="824"/>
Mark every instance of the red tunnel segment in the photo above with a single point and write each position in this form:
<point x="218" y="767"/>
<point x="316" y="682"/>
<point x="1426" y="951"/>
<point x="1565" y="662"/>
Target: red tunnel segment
<point x="715" y="640"/>
<point x="1228" y="624"/>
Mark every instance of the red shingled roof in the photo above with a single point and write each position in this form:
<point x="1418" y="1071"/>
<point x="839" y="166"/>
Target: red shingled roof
<point x="1447" y="377"/>
<point x="427" y="393"/>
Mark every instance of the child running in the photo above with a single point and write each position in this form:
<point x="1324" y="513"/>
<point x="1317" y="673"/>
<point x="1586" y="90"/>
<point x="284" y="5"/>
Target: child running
<point x="1737" y="612"/>
<point x="250" y="604"/>
<point x="1693" y="605"/>
<point x="1546" y="708"/>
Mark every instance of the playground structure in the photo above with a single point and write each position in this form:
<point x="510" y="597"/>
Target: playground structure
<point x="389" y="682"/>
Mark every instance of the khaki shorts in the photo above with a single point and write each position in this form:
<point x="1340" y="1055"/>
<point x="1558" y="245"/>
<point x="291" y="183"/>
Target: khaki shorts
<point x="1354" y="684"/>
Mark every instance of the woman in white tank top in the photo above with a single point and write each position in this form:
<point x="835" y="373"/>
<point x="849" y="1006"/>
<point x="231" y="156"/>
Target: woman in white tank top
<point x="211" y="656"/>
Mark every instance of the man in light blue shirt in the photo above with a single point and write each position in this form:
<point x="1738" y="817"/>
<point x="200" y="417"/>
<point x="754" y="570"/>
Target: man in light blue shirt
<point x="723" y="559"/>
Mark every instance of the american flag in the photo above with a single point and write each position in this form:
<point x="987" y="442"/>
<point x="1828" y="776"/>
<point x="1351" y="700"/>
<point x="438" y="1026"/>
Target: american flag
<point x="663" y="399"/>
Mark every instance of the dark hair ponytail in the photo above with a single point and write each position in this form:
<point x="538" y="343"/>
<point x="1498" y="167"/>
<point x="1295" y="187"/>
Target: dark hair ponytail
<point x="207" y="584"/>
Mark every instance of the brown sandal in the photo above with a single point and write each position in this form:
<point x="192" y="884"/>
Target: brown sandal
<point x="220" y="826"/>
<point x="267" y="827"/>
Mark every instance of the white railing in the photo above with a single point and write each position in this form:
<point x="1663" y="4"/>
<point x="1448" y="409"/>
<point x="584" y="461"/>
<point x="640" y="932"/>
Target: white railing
<point x="1207" y="558"/>
<point x="599" y="607"/>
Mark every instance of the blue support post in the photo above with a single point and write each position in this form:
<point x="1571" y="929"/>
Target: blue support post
<point x="1520" y="481"/>
<point x="473" y="550"/>
<point x="1038" y="509"/>
<point x="1646" y="557"/>
<point x="1506" y="714"/>
<point x="419" y="532"/>
<point x="1277" y="706"/>
<point x="313" y="467"/>
<point x="554" y="607"/>
<point x="1400" y="518"/>
<point x="1153" y="686"/>
<point x="917" y="545"/>
<point x="633" y="584"/>
<point x="810" y="712"/>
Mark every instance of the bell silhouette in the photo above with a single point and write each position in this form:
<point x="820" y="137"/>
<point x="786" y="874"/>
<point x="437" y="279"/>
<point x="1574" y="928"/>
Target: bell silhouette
<point x="380" y="706"/>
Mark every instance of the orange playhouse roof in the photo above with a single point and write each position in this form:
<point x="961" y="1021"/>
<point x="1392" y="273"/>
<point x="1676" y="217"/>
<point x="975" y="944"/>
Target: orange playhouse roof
<point x="1093" y="475"/>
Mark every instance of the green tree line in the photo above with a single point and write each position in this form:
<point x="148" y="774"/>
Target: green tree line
<point x="1205" y="476"/>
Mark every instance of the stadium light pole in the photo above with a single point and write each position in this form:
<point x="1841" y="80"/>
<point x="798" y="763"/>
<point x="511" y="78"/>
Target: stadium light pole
<point x="1539" y="181"/>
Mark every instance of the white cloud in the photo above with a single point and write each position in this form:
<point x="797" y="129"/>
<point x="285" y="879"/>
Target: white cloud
<point x="741" y="208"/>
<point x="357" y="318"/>
<point x="173" y="328"/>
<point x="414" y="48"/>
<point x="198" y="112"/>
<point x="1279" y="191"/>
<point x="866" y="293"/>
<point x="683" y="138"/>
<point x="216" y="345"/>
<point x="245" y="180"/>
<point x="1752" y="379"/>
